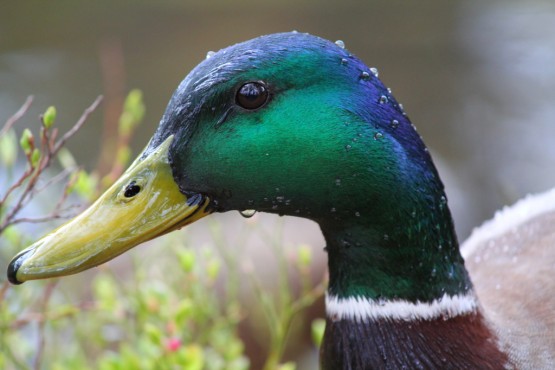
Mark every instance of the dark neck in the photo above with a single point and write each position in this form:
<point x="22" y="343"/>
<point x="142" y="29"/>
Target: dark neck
<point x="399" y="252"/>
<point x="403" y="257"/>
<point x="463" y="342"/>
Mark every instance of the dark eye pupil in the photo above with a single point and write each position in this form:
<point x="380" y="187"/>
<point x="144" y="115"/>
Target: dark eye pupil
<point x="252" y="95"/>
<point x="131" y="190"/>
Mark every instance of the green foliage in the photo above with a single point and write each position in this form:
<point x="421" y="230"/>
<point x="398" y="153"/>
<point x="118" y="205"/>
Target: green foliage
<point x="318" y="328"/>
<point x="35" y="158"/>
<point x="85" y="185"/>
<point x="133" y="112"/>
<point x="8" y="148"/>
<point x="305" y="256"/>
<point x="49" y="116"/>
<point x="27" y="141"/>
<point x="171" y="321"/>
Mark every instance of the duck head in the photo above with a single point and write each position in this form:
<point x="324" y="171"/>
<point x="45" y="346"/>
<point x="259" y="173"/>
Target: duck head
<point x="290" y="124"/>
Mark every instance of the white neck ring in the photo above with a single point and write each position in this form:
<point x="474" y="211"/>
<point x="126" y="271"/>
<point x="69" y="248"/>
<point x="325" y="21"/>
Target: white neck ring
<point x="363" y="309"/>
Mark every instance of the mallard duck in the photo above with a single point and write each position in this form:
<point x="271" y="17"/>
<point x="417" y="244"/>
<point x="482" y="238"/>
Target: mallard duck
<point x="296" y="125"/>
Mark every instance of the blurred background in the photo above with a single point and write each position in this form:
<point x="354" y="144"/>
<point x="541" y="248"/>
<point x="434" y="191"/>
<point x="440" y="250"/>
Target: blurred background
<point x="476" y="78"/>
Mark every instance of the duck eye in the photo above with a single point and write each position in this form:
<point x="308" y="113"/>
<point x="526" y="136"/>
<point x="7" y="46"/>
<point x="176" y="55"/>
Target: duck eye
<point x="132" y="189"/>
<point x="252" y="95"/>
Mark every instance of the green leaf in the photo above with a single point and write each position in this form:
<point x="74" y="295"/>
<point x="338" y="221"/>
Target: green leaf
<point x="184" y="311"/>
<point x="8" y="148"/>
<point x="27" y="141"/>
<point x="49" y="117"/>
<point x="105" y="292"/>
<point x="84" y="185"/>
<point x="133" y="112"/>
<point x="186" y="259"/>
<point x="66" y="159"/>
<point x="234" y="349"/>
<point x="123" y="156"/>
<point x="193" y="357"/>
<point x="304" y="256"/>
<point x="12" y="235"/>
<point x="213" y="268"/>
<point x="153" y="333"/>
<point x="35" y="157"/>
<point x="318" y="328"/>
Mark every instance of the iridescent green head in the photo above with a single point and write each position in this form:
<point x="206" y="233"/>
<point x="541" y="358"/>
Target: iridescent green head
<point x="325" y="139"/>
<point x="296" y="125"/>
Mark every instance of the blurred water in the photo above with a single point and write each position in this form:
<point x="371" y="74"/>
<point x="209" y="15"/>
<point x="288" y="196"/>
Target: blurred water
<point x="509" y="101"/>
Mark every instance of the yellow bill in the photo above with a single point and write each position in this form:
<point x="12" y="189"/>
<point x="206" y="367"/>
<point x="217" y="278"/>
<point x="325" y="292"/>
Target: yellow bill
<point x="143" y="204"/>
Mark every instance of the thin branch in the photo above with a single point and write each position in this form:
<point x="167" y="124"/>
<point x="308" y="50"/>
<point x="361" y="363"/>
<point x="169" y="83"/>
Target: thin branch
<point x="33" y="174"/>
<point x="54" y="215"/>
<point x="17" y="116"/>
<point x="3" y="290"/>
<point x="78" y="125"/>
<point x="56" y="179"/>
<point x="66" y="173"/>
<point x="16" y="185"/>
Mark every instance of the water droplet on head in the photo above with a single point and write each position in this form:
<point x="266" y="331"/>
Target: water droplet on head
<point x="378" y="135"/>
<point x="442" y="202"/>
<point x="383" y="99"/>
<point x="357" y="214"/>
<point x="247" y="213"/>
<point x="338" y="182"/>
<point x="340" y="43"/>
<point x="394" y="124"/>
<point x="402" y="109"/>
<point x="365" y="76"/>
<point x="348" y="147"/>
<point x="434" y="272"/>
<point x="333" y="209"/>
<point x="374" y="71"/>
<point x="210" y="54"/>
<point x="343" y="61"/>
